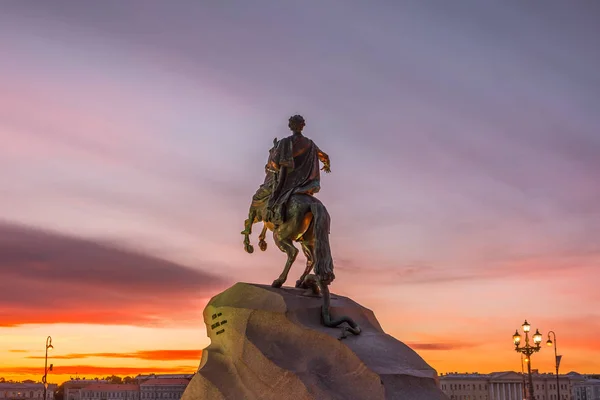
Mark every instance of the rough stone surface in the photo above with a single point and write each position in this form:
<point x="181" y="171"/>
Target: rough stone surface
<point x="269" y="344"/>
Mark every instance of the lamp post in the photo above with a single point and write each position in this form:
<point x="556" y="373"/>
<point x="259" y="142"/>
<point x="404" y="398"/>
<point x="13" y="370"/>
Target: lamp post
<point x="46" y="369"/>
<point x="523" y="376"/>
<point x="556" y="361"/>
<point x="528" y="350"/>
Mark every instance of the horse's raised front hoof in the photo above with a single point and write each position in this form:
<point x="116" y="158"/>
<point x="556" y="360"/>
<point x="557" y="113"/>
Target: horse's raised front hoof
<point x="249" y="248"/>
<point x="277" y="283"/>
<point x="263" y="245"/>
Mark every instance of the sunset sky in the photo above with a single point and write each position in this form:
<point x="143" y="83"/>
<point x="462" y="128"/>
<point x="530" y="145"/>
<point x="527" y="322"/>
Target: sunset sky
<point x="465" y="189"/>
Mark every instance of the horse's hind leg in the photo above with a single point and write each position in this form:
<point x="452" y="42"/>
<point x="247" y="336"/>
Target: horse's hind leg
<point x="308" y="248"/>
<point x="288" y="248"/>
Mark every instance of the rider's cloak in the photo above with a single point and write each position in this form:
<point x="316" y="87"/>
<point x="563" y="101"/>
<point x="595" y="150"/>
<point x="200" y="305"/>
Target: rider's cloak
<point x="300" y="174"/>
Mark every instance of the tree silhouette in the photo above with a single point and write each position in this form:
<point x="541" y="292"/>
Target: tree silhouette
<point x="114" y="379"/>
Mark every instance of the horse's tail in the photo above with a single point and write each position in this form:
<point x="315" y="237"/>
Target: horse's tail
<point x="323" y="262"/>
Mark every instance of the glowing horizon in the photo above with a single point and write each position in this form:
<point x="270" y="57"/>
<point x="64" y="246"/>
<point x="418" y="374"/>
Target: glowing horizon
<point x="464" y="188"/>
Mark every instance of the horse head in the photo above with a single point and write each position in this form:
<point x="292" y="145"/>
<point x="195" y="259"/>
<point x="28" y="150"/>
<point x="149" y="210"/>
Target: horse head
<point x="271" y="155"/>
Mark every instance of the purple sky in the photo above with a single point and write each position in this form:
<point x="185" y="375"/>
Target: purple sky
<point x="464" y="139"/>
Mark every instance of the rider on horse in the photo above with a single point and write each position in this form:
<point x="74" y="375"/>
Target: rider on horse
<point x="286" y="205"/>
<point x="293" y="167"/>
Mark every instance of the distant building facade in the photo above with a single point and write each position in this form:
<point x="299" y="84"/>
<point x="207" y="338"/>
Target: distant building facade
<point x="165" y="389"/>
<point x="504" y="386"/>
<point x="72" y="388"/>
<point x="110" y="391"/>
<point x="141" y="378"/>
<point x="587" y="389"/>
<point x="147" y="387"/>
<point x="20" y="391"/>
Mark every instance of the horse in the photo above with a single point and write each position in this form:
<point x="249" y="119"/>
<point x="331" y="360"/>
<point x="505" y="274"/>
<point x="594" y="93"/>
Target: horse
<point x="306" y="219"/>
<point x="307" y="223"/>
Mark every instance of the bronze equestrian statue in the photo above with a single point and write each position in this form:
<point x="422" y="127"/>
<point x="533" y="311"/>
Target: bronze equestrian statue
<point x="286" y="205"/>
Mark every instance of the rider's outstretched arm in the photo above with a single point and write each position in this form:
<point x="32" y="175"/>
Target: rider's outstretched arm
<point x="324" y="158"/>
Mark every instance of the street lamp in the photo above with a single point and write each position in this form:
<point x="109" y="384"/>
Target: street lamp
<point x="523" y="376"/>
<point x="556" y="361"/>
<point x="46" y="369"/>
<point x="528" y="350"/>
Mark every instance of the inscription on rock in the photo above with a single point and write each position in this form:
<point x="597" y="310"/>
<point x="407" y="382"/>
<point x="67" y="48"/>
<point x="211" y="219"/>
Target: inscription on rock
<point x="218" y="323"/>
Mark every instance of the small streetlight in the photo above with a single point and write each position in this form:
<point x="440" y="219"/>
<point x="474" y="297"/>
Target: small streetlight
<point x="516" y="338"/>
<point x="46" y="369"/>
<point x="556" y="361"/>
<point x="527" y="350"/>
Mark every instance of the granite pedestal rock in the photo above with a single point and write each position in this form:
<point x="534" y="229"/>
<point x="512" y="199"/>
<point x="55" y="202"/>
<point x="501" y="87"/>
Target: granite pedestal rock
<point x="270" y="344"/>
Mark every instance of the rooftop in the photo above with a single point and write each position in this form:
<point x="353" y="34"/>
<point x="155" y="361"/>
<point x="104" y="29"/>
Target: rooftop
<point x="496" y="374"/>
<point x="111" y="387"/>
<point x="165" y="381"/>
<point x="165" y="376"/>
<point x="17" y="386"/>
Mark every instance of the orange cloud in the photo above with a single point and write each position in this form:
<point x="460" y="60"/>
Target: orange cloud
<point x="92" y="371"/>
<point x="159" y="355"/>
<point x="439" y="346"/>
